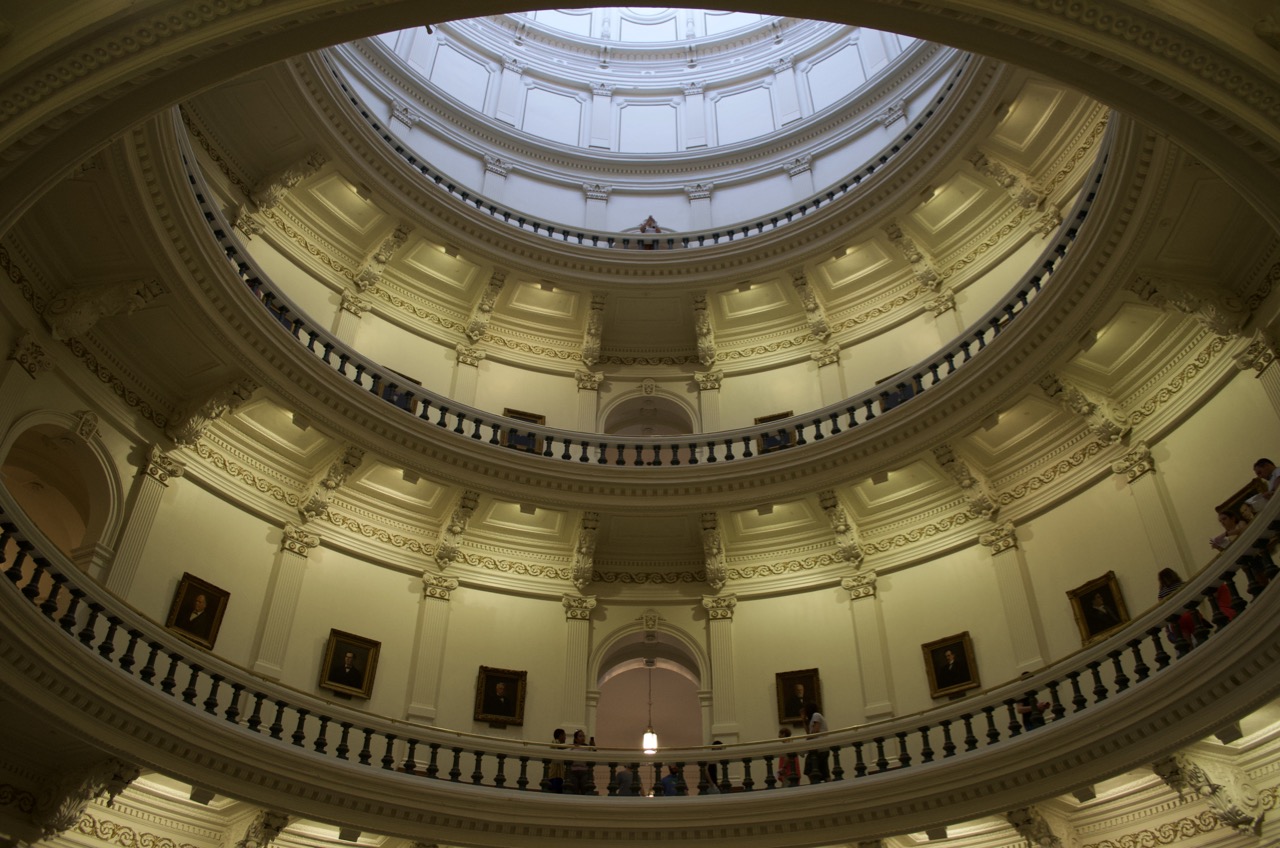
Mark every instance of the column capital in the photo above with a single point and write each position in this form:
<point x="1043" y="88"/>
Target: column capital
<point x="353" y="303"/>
<point x="30" y="356"/>
<point x="699" y="191"/>
<point x="589" y="381"/>
<point x="824" y="356"/>
<point x="468" y="355"/>
<point x="860" y="585"/>
<point x="719" y="607"/>
<point x="437" y="586"/>
<point x="1000" y="539"/>
<point x="596" y="191"/>
<point x="1259" y="354"/>
<point x="708" y="380"/>
<point x="1135" y="463"/>
<point x="578" y="607"/>
<point x="1032" y="827"/>
<point x="296" y="540"/>
<point x="496" y="165"/>
<point x="162" y="467"/>
<point x="893" y="112"/>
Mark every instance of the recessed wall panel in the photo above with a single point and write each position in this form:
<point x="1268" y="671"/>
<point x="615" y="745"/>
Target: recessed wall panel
<point x="833" y="77"/>
<point x="744" y="115"/>
<point x="553" y="116"/>
<point x="460" y="76"/>
<point x="647" y="129"/>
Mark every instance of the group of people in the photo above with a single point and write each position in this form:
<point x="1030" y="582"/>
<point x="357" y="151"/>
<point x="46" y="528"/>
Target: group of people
<point x="570" y="776"/>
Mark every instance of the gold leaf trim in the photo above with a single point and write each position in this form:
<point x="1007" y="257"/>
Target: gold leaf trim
<point x="244" y="475"/>
<point x="1189" y="372"/>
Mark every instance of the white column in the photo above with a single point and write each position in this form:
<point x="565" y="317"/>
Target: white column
<point x="346" y="324"/>
<point x="148" y="489"/>
<point x="724" y="721"/>
<point x="428" y="651"/>
<point x="466" y="373"/>
<point x="699" y="205"/>
<point x="496" y="169"/>
<point x="1154" y="507"/>
<point x="1260" y="357"/>
<point x="577" y="615"/>
<point x="1009" y="565"/>
<point x="695" y="117"/>
<point x="786" y="100"/>
<point x="709" y="399"/>
<point x="597" y="207"/>
<point x="800" y="171"/>
<point x="946" y="317"/>
<point x="830" y="378"/>
<point x="588" y="398"/>
<point x="283" y="591"/>
<point x="868" y="644"/>
<point x="601" y="127"/>
<point x="511" y="90"/>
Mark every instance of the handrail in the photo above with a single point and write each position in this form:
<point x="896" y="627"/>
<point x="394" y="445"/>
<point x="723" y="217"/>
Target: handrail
<point x="623" y="241"/>
<point x="652" y="451"/>
<point x="110" y="632"/>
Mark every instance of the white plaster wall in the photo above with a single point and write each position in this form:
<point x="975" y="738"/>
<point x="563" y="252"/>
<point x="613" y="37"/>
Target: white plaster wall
<point x="318" y="302"/>
<point x="503" y="386"/>
<point x="426" y="361"/>
<point x="745" y="397"/>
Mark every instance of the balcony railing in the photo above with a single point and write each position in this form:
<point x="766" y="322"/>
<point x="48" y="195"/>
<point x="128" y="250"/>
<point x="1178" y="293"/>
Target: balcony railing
<point x="164" y="668"/>
<point x="553" y="444"/>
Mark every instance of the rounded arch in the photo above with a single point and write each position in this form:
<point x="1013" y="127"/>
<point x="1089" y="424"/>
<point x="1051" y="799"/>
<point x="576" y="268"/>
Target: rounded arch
<point x="629" y="646"/>
<point x="65" y="479"/>
<point x="642" y="412"/>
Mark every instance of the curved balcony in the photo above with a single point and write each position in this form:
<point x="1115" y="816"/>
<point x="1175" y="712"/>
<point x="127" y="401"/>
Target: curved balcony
<point x="95" y="664"/>
<point x="561" y="446"/>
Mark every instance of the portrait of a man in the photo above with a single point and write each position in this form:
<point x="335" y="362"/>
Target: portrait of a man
<point x="349" y="664"/>
<point x="500" y="696"/>
<point x="950" y="665"/>
<point x="1099" y="607"/>
<point x="197" y="609"/>
<point x="795" y="689"/>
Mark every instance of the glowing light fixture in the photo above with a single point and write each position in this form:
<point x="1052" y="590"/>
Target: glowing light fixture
<point x="650" y="742"/>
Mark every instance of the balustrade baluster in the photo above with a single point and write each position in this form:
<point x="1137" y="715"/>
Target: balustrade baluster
<point x="1078" y="699"/>
<point x="602" y="457"/>
<point x="926" y="752"/>
<point x="882" y="762"/>
<point x="127" y="659"/>
<point x="211" y="701"/>
<point x="800" y="439"/>
<point x="869" y="407"/>
<point x="455" y="772"/>
<point x="770" y="780"/>
<point x="344" y="747"/>
<point x="1162" y="657"/>
<point x="1057" y="709"/>
<point x="747" y="782"/>
<point x="746" y="447"/>
<point x="948" y="746"/>
<point x="50" y="605"/>
<point x="68" y="620"/>
<point x="859" y="766"/>
<point x="90" y="628"/>
<point x="852" y="412"/>
<point x="475" y="428"/>
<point x="1174" y="631"/>
<point x="702" y="777"/>
<point x="366" y="753"/>
<point x="1120" y="679"/>
<point x="1015" y="723"/>
<point x="170" y="681"/>
<point x="299" y="730"/>
<point x="31" y="590"/>
<point x="107" y="646"/>
<point x="675" y="454"/>
<point x="682" y="788"/>
<point x="388" y="761"/>
<point x="1140" y="668"/>
<point x="500" y="777"/>
<point x="657" y="455"/>
<point x="724" y="785"/>
<point x="276" y="730"/>
<point x="255" y="720"/>
<point x="440" y="422"/>
<point x="970" y="741"/>
<point x="1252" y="566"/>
<point x="585" y="447"/>
<point x="639" y="460"/>
<point x="1210" y="593"/>
<point x="232" y="712"/>
<point x="493" y="436"/>
<point x="904" y="759"/>
<point x="410" y="764"/>
<point x="837" y="771"/>
<point x="545" y="783"/>
<point x="693" y="453"/>
<point x="835" y="423"/>
<point x="477" y="773"/>
<point x="993" y="735"/>
<point x="433" y="768"/>
<point x="728" y="450"/>
<point x="189" y="693"/>
<point x="522" y="781"/>
<point x="711" y="452"/>
<point x="1099" y="689"/>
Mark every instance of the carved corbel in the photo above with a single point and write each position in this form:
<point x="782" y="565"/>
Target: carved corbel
<point x="846" y="534"/>
<point x="449" y="548"/>
<point x="59" y="804"/>
<point x="71" y="314"/>
<point x="268" y="192"/>
<point x="374" y="266"/>
<point x="1104" y="420"/>
<point x="706" y="339"/>
<point x="263" y="830"/>
<point x="478" y="323"/>
<point x="1234" y="800"/>
<point x="713" y="552"/>
<point x="1031" y="826"/>
<point x="584" y="550"/>
<point x="594" y="332"/>
<point x="814" y="314"/>
<point x="1219" y="312"/>
<point x="188" y="425"/>
<point x="314" y="502"/>
<point x="982" y="499"/>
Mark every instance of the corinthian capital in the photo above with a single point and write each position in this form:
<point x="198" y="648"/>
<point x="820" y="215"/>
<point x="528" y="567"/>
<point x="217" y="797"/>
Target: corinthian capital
<point x="719" y="607"/>
<point x="578" y="607"/>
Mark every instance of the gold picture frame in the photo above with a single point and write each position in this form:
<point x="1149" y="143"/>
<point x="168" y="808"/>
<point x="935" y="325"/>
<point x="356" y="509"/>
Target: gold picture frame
<point x="795" y="689"/>
<point x="196" y="611"/>
<point x="500" y="696"/>
<point x="1098" y="607"/>
<point x="951" y="665"/>
<point x="350" y="664"/>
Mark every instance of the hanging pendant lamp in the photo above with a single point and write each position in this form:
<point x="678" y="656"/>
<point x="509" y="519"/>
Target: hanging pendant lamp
<point x="650" y="742"/>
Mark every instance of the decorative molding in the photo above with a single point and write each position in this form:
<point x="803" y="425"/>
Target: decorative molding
<point x="296" y="540"/>
<point x="1234" y="801"/>
<point x="589" y="381"/>
<point x="1217" y="311"/>
<point x="269" y="191"/>
<point x="1258" y="355"/>
<point x="468" y="355"/>
<point x="578" y="607"/>
<point x="719" y="607"/>
<point x="86" y="428"/>
<point x="1105" y="421"/>
<point x="593" y="334"/>
<point x="596" y="191"/>
<point x="30" y="356"/>
<point x="374" y="266"/>
<point x="1031" y="826"/>
<point x="792" y="566"/>
<point x="73" y="313"/>
<point x="189" y="423"/>
<point x="1179" y="381"/>
<point x="353" y="303"/>
<point x="368" y="531"/>
<point x="1000" y="539"/>
<point x="314" y="502"/>
<point x="448" y="549"/>
<point x="846" y="534"/>
<point x="105" y="831"/>
<point x="861" y="585"/>
<point x="896" y="111"/>
<point x="496" y="165"/>
<point x="438" y="586"/>
<point x="699" y="191"/>
<point x="799" y="165"/>
<point x="246" y="476"/>
<point x="584" y="550"/>
<point x="713" y="551"/>
<point x="61" y="802"/>
<point x="1135" y="463"/>
<point x="263" y="830"/>
<point x="824" y="356"/>
<point x="478" y="323"/>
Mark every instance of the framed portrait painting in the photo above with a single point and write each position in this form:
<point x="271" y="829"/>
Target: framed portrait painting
<point x="500" y="696"/>
<point x="1099" y="607"/>
<point x="950" y="665"/>
<point x="197" y="609"/>
<point x="795" y="689"/>
<point x="349" y="665"/>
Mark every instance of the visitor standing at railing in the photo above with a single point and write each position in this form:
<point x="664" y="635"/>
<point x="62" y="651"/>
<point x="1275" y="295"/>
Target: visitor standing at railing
<point x="579" y="774"/>
<point x="815" y="762"/>
<point x="788" y="763"/>
<point x="555" y="771"/>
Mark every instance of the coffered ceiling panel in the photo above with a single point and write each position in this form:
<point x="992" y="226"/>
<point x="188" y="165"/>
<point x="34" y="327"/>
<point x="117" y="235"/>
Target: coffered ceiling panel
<point x="276" y="430"/>
<point x="348" y="213"/>
<point x="1019" y="435"/>
<point x="1125" y="340"/>
<point x="913" y="484"/>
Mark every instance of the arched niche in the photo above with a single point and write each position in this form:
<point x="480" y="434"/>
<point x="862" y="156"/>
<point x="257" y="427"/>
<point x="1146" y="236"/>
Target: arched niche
<point x="632" y="660"/>
<point x="60" y="473"/>
<point x="642" y="413"/>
